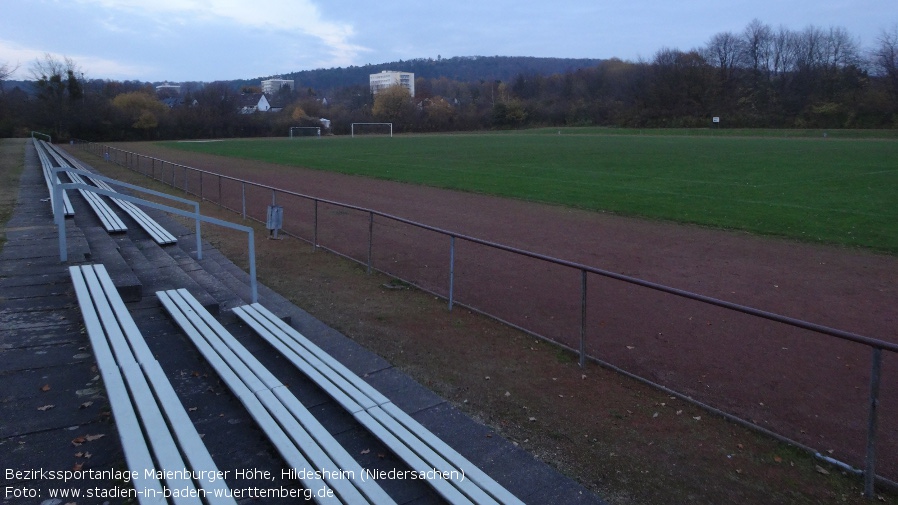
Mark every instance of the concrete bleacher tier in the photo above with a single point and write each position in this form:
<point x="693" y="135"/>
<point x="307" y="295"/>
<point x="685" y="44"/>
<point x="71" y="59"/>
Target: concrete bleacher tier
<point x="42" y="312"/>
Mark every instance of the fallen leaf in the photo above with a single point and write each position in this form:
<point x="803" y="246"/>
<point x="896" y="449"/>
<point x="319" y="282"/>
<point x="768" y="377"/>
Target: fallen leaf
<point x="77" y="441"/>
<point x="77" y="466"/>
<point x="366" y="451"/>
<point x="698" y="418"/>
<point x="85" y="405"/>
<point x="191" y="409"/>
<point x="679" y="412"/>
<point x="821" y="470"/>
<point x="740" y="446"/>
<point x="381" y="455"/>
<point x="91" y="438"/>
<point x="630" y="347"/>
<point x="79" y="454"/>
<point x="507" y="393"/>
<point x="45" y="408"/>
<point x="532" y="419"/>
<point x="739" y="470"/>
<point x="45" y="388"/>
<point x="778" y="459"/>
<point x="87" y="455"/>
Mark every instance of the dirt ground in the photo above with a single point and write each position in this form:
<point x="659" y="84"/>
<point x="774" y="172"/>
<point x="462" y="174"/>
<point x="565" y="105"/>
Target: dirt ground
<point x="630" y="443"/>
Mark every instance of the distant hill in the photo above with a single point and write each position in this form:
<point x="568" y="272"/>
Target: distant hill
<point x="460" y="68"/>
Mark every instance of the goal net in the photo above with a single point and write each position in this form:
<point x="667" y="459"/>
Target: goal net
<point x="305" y="131"/>
<point x="372" y="129"/>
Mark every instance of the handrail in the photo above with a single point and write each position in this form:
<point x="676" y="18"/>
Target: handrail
<point x="59" y="219"/>
<point x="33" y="133"/>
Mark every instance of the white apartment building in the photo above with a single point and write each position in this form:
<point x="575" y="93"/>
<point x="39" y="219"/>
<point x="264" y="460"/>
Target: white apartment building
<point x="388" y="78"/>
<point x="272" y="86"/>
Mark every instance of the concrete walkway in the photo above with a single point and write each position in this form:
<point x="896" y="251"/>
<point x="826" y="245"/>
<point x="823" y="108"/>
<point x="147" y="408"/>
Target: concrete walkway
<point x="53" y="412"/>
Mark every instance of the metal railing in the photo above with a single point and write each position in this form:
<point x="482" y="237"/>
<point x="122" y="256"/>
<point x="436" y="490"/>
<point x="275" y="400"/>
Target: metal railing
<point x="150" y="165"/>
<point x="59" y="216"/>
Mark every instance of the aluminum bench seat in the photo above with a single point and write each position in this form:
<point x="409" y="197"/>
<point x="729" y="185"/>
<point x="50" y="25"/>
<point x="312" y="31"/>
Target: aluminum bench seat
<point x="305" y="445"/>
<point x="154" y="428"/>
<point x="415" y="444"/>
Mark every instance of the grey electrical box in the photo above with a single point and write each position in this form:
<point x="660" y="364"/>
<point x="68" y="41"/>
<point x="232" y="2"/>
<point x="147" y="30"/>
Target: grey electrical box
<point x="275" y="219"/>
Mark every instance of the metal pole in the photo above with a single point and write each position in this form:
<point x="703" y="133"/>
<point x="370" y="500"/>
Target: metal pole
<point x="199" y="237"/>
<point x="201" y="186"/>
<point x="220" y="201"/>
<point x="186" y="192"/>
<point x="59" y="217"/>
<point x="243" y="198"/>
<point x="870" y="471"/>
<point x="370" y="237"/>
<point x="252" y="267"/>
<point x="451" y="271"/>
<point x="582" y="318"/>
<point x="315" y="229"/>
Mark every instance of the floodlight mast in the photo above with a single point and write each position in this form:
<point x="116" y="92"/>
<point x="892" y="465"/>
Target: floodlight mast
<point x="352" y="127"/>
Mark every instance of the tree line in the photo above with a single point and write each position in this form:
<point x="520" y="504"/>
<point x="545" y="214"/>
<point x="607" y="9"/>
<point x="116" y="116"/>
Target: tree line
<point x="759" y="77"/>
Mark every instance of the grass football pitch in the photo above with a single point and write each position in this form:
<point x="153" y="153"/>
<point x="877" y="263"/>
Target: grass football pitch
<point x="838" y="189"/>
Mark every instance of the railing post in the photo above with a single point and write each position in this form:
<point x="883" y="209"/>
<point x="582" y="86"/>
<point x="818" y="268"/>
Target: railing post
<point x="243" y="199"/>
<point x="370" y="237"/>
<point x="253" y="285"/>
<point x="59" y="217"/>
<point x="186" y="191"/>
<point x="451" y="271"/>
<point x="582" y="318"/>
<point x="870" y="467"/>
<point x="220" y="201"/>
<point x="199" y="237"/>
<point x="315" y="229"/>
<point x="201" y="186"/>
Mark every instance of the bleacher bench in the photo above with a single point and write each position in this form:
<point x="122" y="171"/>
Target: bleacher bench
<point x="141" y="397"/>
<point x="156" y="231"/>
<point x="407" y="438"/>
<point x="302" y="441"/>
<point x="50" y="179"/>
<point x="108" y="217"/>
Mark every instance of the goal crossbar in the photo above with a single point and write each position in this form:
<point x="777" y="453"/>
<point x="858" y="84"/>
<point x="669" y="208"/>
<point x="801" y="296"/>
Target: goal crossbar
<point x="317" y="130"/>
<point x="352" y="127"/>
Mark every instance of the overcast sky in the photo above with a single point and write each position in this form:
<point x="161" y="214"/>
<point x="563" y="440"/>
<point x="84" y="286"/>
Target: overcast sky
<point x="207" y="40"/>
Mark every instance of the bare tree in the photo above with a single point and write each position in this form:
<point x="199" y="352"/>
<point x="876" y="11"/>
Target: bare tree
<point x="6" y="70"/>
<point x="885" y="58"/>
<point x="758" y="46"/>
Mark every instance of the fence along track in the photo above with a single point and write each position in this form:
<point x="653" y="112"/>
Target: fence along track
<point x="193" y="181"/>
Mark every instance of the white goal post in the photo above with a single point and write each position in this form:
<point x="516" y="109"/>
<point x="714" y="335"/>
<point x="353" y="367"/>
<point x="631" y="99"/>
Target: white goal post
<point x="352" y="127"/>
<point x="305" y="131"/>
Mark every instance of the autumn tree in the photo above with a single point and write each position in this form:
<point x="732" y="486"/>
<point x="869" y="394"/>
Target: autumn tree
<point x="141" y="110"/>
<point x="393" y="105"/>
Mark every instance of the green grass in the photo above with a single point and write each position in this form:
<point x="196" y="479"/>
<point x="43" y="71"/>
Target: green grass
<point x="842" y="189"/>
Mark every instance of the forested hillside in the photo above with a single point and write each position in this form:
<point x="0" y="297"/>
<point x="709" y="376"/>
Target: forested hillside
<point x="760" y="77"/>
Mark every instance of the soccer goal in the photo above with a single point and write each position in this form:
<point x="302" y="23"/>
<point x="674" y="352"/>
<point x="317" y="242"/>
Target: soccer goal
<point x="371" y="129"/>
<point x="305" y="131"/>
